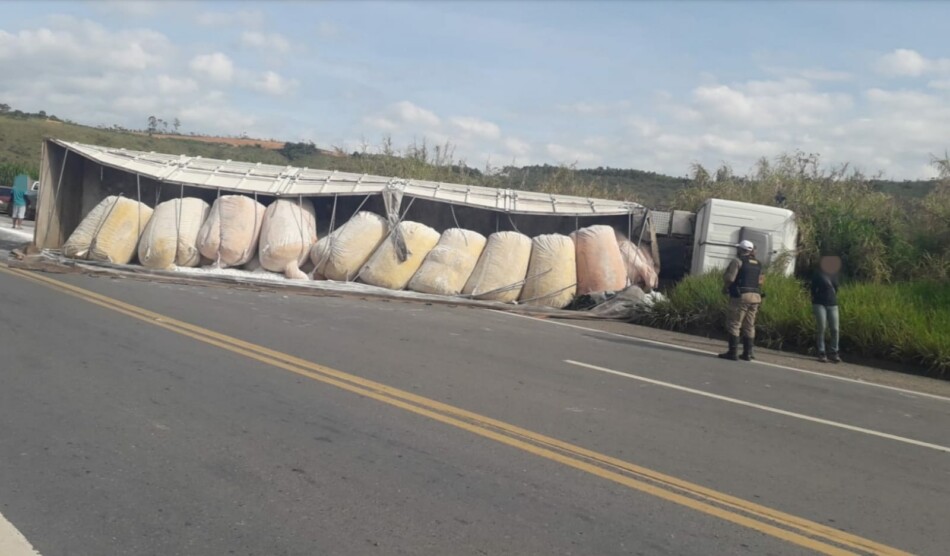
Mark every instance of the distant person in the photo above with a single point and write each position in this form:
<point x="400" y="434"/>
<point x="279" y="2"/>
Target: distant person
<point x="824" y="303"/>
<point x="21" y="185"/>
<point x="743" y="283"/>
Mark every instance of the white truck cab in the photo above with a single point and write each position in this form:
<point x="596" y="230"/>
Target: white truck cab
<point x="721" y="224"/>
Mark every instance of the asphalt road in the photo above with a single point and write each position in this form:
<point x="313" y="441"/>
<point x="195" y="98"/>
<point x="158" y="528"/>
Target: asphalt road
<point x="246" y="422"/>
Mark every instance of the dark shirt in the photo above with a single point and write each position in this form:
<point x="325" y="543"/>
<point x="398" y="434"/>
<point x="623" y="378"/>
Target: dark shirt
<point x="824" y="289"/>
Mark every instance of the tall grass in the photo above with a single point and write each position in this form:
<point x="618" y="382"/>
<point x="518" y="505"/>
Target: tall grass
<point x="10" y="170"/>
<point x="839" y="211"/>
<point x="905" y="321"/>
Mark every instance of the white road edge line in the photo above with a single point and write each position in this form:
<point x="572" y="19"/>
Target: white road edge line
<point x="704" y="352"/>
<point x="769" y="409"/>
<point x="12" y="542"/>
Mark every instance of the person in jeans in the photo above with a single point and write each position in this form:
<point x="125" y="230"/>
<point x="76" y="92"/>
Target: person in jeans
<point x="824" y="303"/>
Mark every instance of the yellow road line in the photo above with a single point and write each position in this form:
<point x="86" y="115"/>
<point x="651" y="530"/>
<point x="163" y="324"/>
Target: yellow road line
<point x="796" y="530"/>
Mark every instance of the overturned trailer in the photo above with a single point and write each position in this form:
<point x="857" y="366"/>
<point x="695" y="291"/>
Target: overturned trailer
<point x="78" y="179"/>
<point x="75" y="177"/>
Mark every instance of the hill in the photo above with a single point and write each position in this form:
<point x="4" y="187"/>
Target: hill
<point x="21" y="136"/>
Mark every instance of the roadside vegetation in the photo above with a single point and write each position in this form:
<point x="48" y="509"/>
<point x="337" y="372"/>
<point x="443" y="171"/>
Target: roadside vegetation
<point x="906" y="322"/>
<point x="893" y="237"/>
<point x="895" y="299"/>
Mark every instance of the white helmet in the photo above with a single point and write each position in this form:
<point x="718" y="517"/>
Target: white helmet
<point x="745" y="245"/>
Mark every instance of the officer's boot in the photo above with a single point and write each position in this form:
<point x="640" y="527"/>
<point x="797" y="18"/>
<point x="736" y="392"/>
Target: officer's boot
<point x="732" y="354"/>
<point x="747" y="353"/>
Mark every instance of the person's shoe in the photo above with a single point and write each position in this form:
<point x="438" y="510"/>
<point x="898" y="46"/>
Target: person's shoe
<point x="747" y="349"/>
<point x="732" y="354"/>
<point x="822" y="358"/>
<point x="834" y="358"/>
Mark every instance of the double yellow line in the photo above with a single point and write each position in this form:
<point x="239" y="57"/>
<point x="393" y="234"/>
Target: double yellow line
<point x="801" y="532"/>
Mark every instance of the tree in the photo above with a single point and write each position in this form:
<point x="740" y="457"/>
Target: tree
<point x="152" y="124"/>
<point x="4" y="108"/>
<point x="176" y="124"/>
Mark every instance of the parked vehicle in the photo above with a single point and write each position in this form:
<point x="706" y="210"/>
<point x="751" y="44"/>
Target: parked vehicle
<point x="5" y="199"/>
<point x="31" y="197"/>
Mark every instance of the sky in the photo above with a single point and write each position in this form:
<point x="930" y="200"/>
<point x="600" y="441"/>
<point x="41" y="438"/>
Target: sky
<point x="653" y="86"/>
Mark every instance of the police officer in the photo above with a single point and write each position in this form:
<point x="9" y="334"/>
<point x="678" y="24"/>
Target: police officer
<point x="743" y="283"/>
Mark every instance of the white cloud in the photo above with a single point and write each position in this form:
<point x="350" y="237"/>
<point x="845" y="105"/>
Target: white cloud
<point x="70" y="41"/>
<point x="415" y="115"/>
<point x="176" y="86"/>
<point x="476" y="127"/>
<point x="271" y="42"/>
<point x="940" y="84"/>
<point x="379" y="122"/>
<point x="216" y="66"/>
<point x="910" y="63"/>
<point x="767" y="103"/>
<point x="902" y="62"/>
<point x="273" y="84"/>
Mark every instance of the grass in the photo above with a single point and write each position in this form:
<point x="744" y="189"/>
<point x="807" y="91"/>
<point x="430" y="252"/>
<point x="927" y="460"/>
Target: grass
<point x="907" y="322"/>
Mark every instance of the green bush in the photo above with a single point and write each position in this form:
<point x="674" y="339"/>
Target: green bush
<point x="903" y="321"/>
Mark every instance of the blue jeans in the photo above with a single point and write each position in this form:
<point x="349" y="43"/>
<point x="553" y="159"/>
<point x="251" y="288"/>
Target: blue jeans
<point x="826" y="318"/>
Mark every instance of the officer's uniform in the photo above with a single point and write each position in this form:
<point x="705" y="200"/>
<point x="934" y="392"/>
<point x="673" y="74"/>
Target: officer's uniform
<point x="742" y="282"/>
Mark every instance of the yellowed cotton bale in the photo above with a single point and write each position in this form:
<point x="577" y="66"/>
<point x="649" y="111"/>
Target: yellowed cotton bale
<point x="552" y="272"/>
<point x="501" y="268"/>
<point x="600" y="265"/>
<point x="230" y="233"/>
<point x="171" y="236"/>
<point x="639" y="263"/>
<point x="288" y="232"/>
<point x="110" y="232"/>
<point x="448" y="266"/>
<point x="340" y="255"/>
<point x="384" y="269"/>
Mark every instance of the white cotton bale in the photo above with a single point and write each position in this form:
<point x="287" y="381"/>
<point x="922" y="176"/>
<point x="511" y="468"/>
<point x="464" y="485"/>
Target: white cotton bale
<point x="501" y="268"/>
<point x="340" y="255"/>
<point x="230" y="233"/>
<point x="552" y="272"/>
<point x="171" y="236"/>
<point x="384" y="269"/>
<point x="638" y="261"/>
<point x="600" y="265"/>
<point x="110" y="232"/>
<point x="448" y="266"/>
<point x="288" y="232"/>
